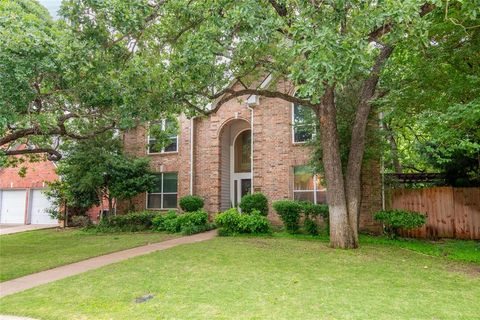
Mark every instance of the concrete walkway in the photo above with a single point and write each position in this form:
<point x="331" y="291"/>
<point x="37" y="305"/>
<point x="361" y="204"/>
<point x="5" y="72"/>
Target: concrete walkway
<point x="36" y="279"/>
<point x="16" y="228"/>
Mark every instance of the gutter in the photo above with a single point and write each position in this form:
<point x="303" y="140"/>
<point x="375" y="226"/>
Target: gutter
<point x="191" y="153"/>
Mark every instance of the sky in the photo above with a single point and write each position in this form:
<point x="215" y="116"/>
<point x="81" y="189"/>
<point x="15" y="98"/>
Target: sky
<point x="52" y="6"/>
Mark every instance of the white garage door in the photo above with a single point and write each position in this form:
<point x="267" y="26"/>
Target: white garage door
<point x="12" y="206"/>
<point x="40" y="204"/>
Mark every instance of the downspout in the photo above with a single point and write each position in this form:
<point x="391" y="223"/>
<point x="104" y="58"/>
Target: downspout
<point x="191" y="154"/>
<point x="251" y="145"/>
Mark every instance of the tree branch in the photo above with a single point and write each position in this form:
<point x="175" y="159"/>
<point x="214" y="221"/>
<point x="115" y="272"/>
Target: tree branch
<point x="53" y="155"/>
<point x="387" y="27"/>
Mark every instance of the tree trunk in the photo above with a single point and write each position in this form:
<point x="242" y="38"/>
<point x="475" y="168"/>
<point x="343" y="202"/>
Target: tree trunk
<point x="110" y="206"/>
<point x="357" y="144"/>
<point x="341" y="233"/>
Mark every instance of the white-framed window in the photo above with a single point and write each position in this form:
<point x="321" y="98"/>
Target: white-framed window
<point x="303" y="123"/>
<point x="165" y="194"/>
<point x="307" y="186"/>
<point x="165" y="125"/>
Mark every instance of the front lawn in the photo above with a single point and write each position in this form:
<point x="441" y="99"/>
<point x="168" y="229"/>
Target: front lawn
<point x="28" y="252"/>
<point x="263" y="278"/>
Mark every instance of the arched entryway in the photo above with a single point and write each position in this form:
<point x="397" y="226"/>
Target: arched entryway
<point x="235" y="163"/>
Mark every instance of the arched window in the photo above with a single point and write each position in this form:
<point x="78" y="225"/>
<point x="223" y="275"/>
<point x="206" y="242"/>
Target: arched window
<point x="242" y="152"/>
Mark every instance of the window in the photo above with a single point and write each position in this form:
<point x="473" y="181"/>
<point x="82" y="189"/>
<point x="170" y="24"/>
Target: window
<point x="168" y="126"/>
<point x="164" y="196"/>
<point x="307" y="186"/>
<point x="243" y="152"/>
<point x="304" y="123"/>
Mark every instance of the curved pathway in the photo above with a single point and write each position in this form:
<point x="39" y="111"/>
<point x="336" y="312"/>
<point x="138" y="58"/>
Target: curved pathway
<point x="36" y="279"/>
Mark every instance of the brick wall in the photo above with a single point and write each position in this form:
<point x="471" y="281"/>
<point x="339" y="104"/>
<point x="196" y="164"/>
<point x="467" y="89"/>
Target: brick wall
<point x="36" y="175"/>
<point x="274" y="156"/>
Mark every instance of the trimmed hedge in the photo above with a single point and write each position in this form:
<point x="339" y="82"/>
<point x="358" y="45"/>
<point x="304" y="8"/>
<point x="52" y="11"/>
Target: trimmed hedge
<point x="289" y="212"/>
<point x="256" y="201"/>
<point x="232" y="222"/>
<point x="131" y="222"/>
<point x="188" y="223"/>
<point x="394" y="220"/>
<point x="191" y="203"/>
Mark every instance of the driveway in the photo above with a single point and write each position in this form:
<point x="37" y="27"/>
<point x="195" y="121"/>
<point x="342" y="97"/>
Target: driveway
<point x="15" y="228"/>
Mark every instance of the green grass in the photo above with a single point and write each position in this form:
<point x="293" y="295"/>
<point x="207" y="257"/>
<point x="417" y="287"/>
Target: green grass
<point x="29" y="252"/>
<point x="458" y="250"/>
<point x="263" y="278"/>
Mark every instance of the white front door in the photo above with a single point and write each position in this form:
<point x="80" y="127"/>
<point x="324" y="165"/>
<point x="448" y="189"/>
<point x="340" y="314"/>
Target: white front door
<point x="40" y="205"/>
<point x="12" y="206"/>
<point x="241" y="185"/>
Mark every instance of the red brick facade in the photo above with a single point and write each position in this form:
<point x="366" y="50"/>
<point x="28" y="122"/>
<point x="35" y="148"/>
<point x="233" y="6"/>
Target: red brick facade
<point x="36" y="176"/>
<point x="274" y="156"/>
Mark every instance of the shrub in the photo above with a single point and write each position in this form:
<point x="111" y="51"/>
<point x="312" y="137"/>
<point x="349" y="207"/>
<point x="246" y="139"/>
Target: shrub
<point x="131" y="222"/>
<point x="232" y="222"/>
<point x="191" y="203"/>
<point x="394" y="220"/>
<point x="80" y="221"/>
<point x="289" y="211"/>
<point x="311" y="210"/>
<point x="188" y="223"/>
<point x="256" y="201"/>
<point x="171" y="222"/>
<point x="310" y="226"/>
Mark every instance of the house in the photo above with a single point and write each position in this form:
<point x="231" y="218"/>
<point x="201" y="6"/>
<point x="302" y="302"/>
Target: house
<point x="250" y="144"/>
<point x="22" y="198"/>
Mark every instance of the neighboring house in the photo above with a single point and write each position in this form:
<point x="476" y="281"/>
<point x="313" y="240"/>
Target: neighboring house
<point x="254" y="145"/>
<point x="22" y="200"/>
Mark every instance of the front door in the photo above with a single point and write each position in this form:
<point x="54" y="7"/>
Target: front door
<point x="241" y="173"/>
<point x="242" y="185"/>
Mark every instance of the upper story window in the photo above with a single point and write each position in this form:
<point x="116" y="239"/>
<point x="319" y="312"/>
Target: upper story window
<point x="307" y="186"/>
<point x="303" y="124"/>
<point x="167" y="127"/>
<point x="242" y="152"/>
<point x="165" y="193"/>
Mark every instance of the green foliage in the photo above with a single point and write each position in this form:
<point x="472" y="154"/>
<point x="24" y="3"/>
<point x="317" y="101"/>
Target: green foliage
<point x="131" y="222"/>
<point x="312" y="211"/>
<point x="80" y="221"/>
<point x="256" y="201"/>
<point x="290" y="212"/>
<point x="191" y="203"/>
<point x="393" y="220"/>
<point x="310" y="226"/>
<point x="187" y="223"/>
<point x="95" y="169"/>
<point x="432" y="109"/>
<point x="232" y="222"/>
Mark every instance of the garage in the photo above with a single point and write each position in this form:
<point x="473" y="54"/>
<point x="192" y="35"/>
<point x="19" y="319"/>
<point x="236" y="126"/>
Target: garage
<point x="39" y="208"/>
<point x="12" y="206"/>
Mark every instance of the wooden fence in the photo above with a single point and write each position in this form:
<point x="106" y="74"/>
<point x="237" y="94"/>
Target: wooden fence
<point x="451" y="212"/>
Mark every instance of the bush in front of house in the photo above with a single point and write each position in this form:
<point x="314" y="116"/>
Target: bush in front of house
<point x="130" y="222"/>
<point x="255" y="201"/>
<point x="394" y="220"/>
<point x="80" y="221"/>
<point x="191" y="203"/>
<point x="187" y="223"/>
<point x="289" y="212"/>
<point x="232" y="222"/>
<point x="311" y="211"/>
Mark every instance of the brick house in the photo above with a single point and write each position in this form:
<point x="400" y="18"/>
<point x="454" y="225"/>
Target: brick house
<point x="22" y="200"/>
<point x="250" y="144"/>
